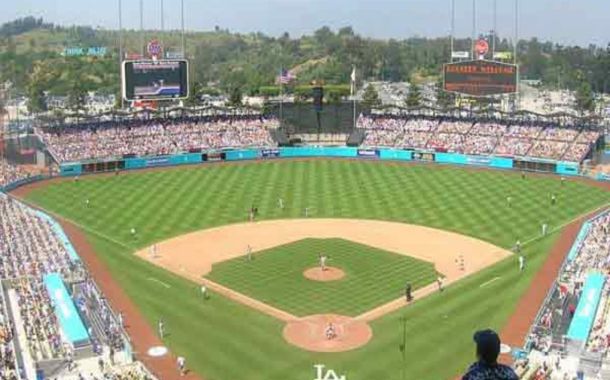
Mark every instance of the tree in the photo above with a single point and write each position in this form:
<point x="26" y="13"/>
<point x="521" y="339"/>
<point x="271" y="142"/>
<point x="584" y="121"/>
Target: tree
<point x="194" y="96"/>
<point x="414" y="96"/>
<point x="235" y="97"/>
<point x="78" y="95"/>
<point x="370" y="97"/>
<point x="444" y="99"/>
<point x="585" y="101"/>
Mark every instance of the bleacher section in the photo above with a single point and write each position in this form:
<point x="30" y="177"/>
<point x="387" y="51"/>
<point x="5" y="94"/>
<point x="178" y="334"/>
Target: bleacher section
<point x="574" y="323"/>
<point x="478" y="138"/>
<point x="50" y="311"/>
<point x="156" y="137"/>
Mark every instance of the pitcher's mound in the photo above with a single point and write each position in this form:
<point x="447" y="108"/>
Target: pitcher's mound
<point x="328" y="333"/>
<point x="329" y="274"/>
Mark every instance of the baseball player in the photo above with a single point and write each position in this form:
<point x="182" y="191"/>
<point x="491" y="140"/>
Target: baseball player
<point x="553" y="199"/>
<point x="439" y="283"/>
<point x="181" y="362"/>
<point x="249" y="252"/>
<point x="153" y="251"/>
<point x="521" y="263"/>
<point x="545" y="229"/>
<point x="161" y="328"/>
<point x="509" y="201"/>
<point x="518" y="246"/>
<point x="133" y="232"/>
<point x="87" y="203"/>
<point x="280" y="203"/>
<point x="330" y="332"/>
<point x="323" y="258"/>
<point x="204" y="292"/>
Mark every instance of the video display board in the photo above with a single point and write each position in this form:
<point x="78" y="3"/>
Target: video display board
<point x="155" y="80"/>
<point x="480" y="78"/>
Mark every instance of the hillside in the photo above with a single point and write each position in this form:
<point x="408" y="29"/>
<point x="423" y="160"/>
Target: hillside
<point x="30" y="58"/>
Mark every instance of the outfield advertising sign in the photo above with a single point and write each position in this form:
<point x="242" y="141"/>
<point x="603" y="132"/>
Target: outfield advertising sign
<point x="581" y="325"/>
<point x="372" y="153"/>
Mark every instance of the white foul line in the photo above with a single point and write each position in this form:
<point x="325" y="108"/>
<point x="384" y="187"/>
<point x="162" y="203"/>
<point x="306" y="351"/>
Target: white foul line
<point x="159" y="281"/>
<point x="489" y="282"/>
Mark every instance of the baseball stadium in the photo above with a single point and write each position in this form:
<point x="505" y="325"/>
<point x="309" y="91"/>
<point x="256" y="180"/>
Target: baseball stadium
<point x="306" y="239"/>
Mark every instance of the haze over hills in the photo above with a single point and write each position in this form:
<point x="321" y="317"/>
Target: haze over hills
<point x="30" y="58"/>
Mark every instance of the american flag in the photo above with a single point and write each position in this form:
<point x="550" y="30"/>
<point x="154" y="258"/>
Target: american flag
<point x="285" y="77"/>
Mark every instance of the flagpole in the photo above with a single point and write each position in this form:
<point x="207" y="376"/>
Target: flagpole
<point x="281" y="99"/>
<point x="353" y="78"/>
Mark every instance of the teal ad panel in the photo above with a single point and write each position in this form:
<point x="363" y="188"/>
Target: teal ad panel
<point x="236" y="155"/>
<point x="567" y="168"/>
<point x="318" y="152"/>
<point x="391" y="154"/>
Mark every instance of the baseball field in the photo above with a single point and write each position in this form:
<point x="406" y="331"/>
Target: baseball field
<point x="233" y="335"/>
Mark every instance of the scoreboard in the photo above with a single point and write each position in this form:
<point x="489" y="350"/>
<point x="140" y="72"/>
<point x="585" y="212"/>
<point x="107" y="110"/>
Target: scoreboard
<point x="480" y="78"/>
<point x="155" y="80"/>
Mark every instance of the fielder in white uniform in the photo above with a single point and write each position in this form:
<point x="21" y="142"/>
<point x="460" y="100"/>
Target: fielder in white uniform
<point x="521" y="263"/>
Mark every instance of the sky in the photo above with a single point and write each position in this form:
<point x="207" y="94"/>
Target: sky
<point x="574" y="22"/>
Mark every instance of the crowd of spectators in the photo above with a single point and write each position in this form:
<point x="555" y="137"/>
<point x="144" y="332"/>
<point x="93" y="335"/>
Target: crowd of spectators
<point x="156" y="137"/>
<point x="8" y="367"/>
<point x="30" y="249"/>
<point x="10" y="173"/>
<point x="556" y="314"/>
<point x="481" y="138"/>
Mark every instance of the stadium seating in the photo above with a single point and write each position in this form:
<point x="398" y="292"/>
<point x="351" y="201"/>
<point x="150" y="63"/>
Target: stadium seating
<point x="10" y="173"/>
<point x="546" y="340"/>
<point x="30" y="248"/>
<point x="155" y="137"/>
<point x="480" y="138"/>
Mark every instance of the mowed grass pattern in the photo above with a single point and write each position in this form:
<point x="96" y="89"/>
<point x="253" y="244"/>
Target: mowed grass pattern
<point x="168" y="203"/>
<point x="223" y="340"/>
<point x="275" y="276"/>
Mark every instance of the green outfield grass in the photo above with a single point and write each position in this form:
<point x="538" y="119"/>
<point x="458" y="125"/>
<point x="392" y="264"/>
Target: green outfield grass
<point x="223" y="340"/>
<point x="372" y="277"/>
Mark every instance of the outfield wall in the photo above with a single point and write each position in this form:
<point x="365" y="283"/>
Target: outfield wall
<point x="520" y="163"/>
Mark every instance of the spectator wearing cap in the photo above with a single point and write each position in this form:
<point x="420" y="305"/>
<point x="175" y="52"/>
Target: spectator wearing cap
<point x="487" y="366"/>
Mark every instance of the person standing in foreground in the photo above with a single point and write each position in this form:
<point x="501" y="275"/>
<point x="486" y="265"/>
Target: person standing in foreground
<point x="487" y="366"/>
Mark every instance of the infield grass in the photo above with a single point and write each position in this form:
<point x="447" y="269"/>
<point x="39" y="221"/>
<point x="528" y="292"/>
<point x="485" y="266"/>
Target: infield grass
<point x="372" y="277"/>
<point x="223" y="340"/>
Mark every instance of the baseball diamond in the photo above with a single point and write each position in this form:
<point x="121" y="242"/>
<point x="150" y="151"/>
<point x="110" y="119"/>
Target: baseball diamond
<point x="212" y="200"/>
<point x="197" y="220"/>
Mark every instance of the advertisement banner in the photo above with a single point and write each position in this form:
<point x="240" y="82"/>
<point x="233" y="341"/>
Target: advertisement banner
<point x="65" y="310"/>
<point x="424" y="156"/>
<point x="160" y="161"/>
<point x="581" y="325"/>
<point x="273" y="153"/>
<point x="478" y="160"/>
<point x="372" y="153"/>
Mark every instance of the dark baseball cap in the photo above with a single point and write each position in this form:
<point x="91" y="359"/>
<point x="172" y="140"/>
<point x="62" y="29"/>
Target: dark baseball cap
<point x="488" y="345"/>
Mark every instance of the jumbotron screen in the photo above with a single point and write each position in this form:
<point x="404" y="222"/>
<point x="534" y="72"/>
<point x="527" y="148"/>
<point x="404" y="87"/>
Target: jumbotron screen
<point x="480" y="78"/>
<point x="155" y="80"/>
